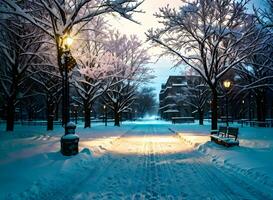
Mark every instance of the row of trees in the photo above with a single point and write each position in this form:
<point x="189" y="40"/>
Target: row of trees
<point x="110" y="66"/>
<point x="219" y="40"/>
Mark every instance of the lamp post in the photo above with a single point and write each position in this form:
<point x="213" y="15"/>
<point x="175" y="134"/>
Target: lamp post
<point x="68" y="63"/>
<point x="243" y="108"/>
<point x="105" y="114"/>
<point x="135" y="114"/>
<point x="69" y="141"/>
<point x="227" y="85"/>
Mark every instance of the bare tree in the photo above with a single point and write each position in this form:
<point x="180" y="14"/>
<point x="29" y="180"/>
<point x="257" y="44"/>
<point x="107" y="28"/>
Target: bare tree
<point x="45" y="74"/>
<point x="145" y="103"/>
<point x="195" y="95"/>
<point x="58" y="18"/>
<point x="130" y="71"/>
<point x="265" y="14"/>
<point x="210" y="36"/>
<point x="95" y="66"/>
<point x="19" y="49"/>
<point x="256" y="76"/>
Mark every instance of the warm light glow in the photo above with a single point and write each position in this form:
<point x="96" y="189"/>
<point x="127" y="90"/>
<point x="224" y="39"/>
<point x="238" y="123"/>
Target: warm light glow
<point x="104" y="106"/>
<point x="67" y="41"/>
<point x="137" y="145"/>
<point x="227" y="84"/>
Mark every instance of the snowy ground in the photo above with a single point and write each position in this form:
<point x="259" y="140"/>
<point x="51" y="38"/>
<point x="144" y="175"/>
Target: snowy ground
<point x="140" y="160"/>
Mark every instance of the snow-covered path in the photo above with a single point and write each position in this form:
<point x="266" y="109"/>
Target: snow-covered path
<point x="150" y="162"/>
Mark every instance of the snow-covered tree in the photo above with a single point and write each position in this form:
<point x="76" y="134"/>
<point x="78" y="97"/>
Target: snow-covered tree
<point x="265" y="13"/>
<point x="94" y="67"/>
<point x="195" y="95"/>
<point x="19" y="49"/>
<point x="256" y="76"/>
<point x="129" y="72"/>
<point x="59" y="18"/>
<point x="210" y="36"/>
<point x="146" y="102"/>
<point x="46" y="76"/>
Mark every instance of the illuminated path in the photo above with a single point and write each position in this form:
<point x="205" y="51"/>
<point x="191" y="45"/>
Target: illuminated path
<point x="149" y="162"/>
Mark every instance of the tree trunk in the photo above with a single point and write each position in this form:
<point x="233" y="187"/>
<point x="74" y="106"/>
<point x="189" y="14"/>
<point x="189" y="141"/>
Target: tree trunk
<point x="10" y="115"/>
<point x="87" y="116"/>
<point x="201" y="116"/>
<point x="50" y="116"/>
<point x="57" y="112"/>
<point x="261" y="108"/>
<point x="264" y="103"/>
<point x="11" y="104"/>
<point x="116" y="116"/>
<point x="271" y="113"/>
<point x="249" y="107"/>
<point x="214" y="109"/>
<point x="30" y="114"/>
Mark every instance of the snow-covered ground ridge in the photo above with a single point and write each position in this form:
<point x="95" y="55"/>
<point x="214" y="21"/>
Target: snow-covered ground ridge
<point x="31" y="163"/>
<point x="253" y="158"/>
<point x="32" y="167"/>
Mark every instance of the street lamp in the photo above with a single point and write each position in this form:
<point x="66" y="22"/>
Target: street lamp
<point x="67" y="41"/>
<point x="68" y="63"/>
<point x="105" y="114"/>
<point x="69" y="141"/>
<point x="243" y="108"/>
<point x="135" y="114"/>
<point x="227" y="85"/>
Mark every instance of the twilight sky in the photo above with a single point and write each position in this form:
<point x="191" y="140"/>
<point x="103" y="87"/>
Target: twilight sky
<point x="162" y="69"/>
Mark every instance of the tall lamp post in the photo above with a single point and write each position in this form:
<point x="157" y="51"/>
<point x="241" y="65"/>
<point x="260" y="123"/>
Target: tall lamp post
<point x="69" y="141"/>
<point x="227" y="85"/>
<point x="68" y="63"/>
<point x="135" y="114"/>
<point x="243" y="108"/>
<point x="105" y="114"/>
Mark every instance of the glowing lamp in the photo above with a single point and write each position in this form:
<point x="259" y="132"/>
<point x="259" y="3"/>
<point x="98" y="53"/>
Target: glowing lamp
<point x="227" y="84"/>
<point x="67" y="41"/>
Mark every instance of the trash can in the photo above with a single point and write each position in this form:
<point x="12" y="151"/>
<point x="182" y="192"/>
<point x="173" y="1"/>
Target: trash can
<point x="70" y="141"/>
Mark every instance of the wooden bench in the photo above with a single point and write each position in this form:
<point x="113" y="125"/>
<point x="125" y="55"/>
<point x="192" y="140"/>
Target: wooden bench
<point x="227" y="136"/>
<point x="182" y="120"/>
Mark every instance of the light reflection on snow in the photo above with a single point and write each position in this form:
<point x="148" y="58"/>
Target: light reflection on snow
<point x="157" y="144"/>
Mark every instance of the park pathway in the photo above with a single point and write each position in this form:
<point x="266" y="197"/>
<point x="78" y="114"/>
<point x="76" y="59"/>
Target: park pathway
<point x="149" y="162"/>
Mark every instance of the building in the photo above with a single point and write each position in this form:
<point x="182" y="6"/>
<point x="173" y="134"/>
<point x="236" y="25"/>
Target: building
<point x="170" y="95"/>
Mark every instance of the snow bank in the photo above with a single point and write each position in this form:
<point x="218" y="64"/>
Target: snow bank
<point x="31" y="164"/>
<point x="253" y="158"/>
<point x="62" y="171"/>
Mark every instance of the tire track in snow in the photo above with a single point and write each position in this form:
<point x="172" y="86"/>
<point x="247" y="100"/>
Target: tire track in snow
<point x="105" y="180"/>
<point x="154" y="173"/>
<point x="60" y="189"/>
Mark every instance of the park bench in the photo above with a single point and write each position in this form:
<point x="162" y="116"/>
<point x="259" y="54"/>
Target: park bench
<point x="182" y="120"/>
<point x="254" y="123"/>
<point x="226" y="136"/>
